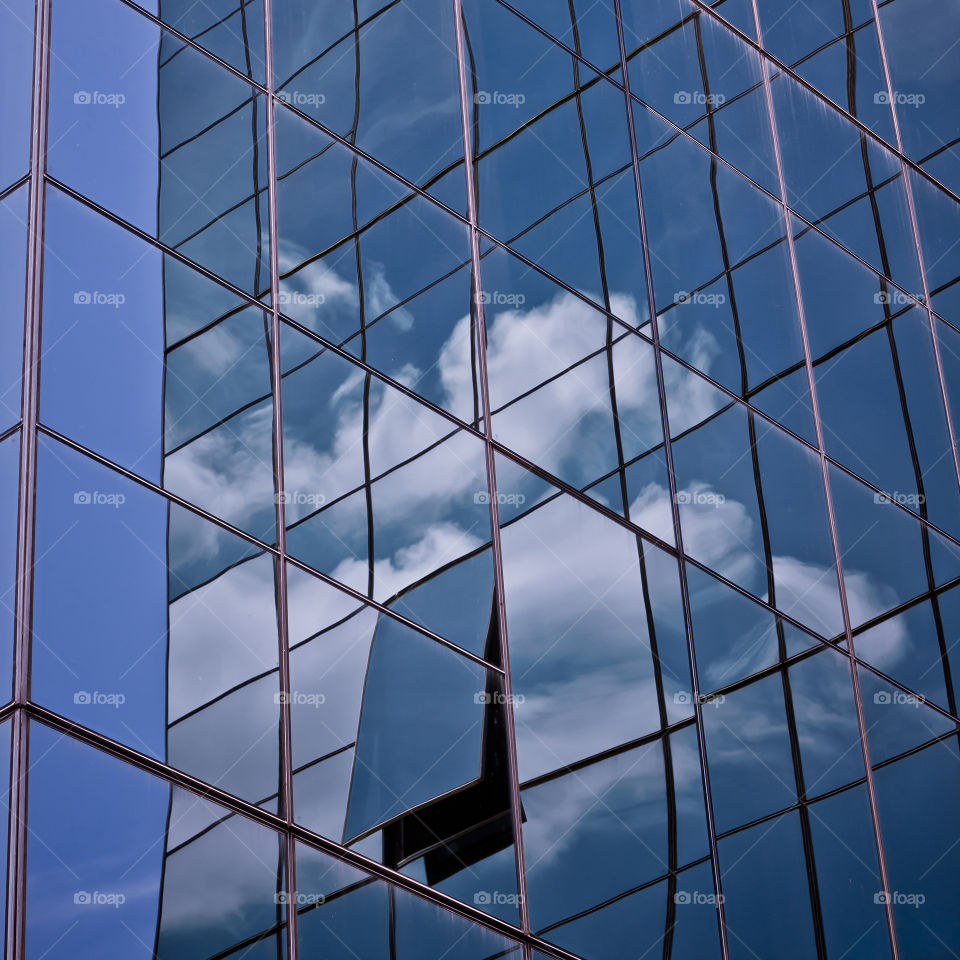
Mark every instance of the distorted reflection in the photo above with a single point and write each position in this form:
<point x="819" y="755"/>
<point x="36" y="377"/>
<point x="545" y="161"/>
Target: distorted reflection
<point x="151" y="364"/>
<point x="572" y="390"/>
<point x="726" y="305"/>
<point x="184" y="878"/>
<point x="600" y="668"/>
<point x="552" y="160"/>
<point x="383" y="273"/>
<point x="917" y="35"/>
<point x="171" y="143"/>
<point x="588" y="27"/>
<point x="923" y="862"/>
<point x="180" y="877"/>
<point x="399" y="745"/>
<point x="383" y="76"/>
<point x="751" y="503"/>
<point x="877" y="381"/>
<point x="154" y="626"/>
<point x="832" y="45"/>
<point x="384" y="494"/>
<point x="676" y="916"/>
<point x="339" y="905"/>
<point x="846" y="183"/>
<point x="704" y="79"/>
<point x="230" y="29"/>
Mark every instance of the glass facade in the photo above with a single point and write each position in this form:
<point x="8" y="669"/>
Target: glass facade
<point x="480" y="480"/>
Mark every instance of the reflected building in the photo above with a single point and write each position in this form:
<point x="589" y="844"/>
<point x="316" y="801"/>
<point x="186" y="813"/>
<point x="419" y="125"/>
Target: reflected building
<point x="482" y="479"/>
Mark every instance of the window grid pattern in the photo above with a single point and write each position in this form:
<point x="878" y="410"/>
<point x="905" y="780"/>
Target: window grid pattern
<point x="799" y="640"/>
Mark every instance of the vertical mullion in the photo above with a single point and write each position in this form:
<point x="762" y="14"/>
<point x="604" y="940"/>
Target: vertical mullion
<point x="831" y="515"/>
<point x="672" y="484"/>
<point x="276" y="375"/>
<point x="915" y="233"/>
<point x="481" y="341"/>
<point x="17" y="843"/>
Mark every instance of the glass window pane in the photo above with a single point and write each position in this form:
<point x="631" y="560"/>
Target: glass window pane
<point x="175" y="147"/>
<point x="386" y="80"/>
<point x="106" y="875"/>
<point x="230" y="29"/>
<point x="766" y="897"/>
<point x="399" y="746"/>
<point x="13" y="261"/>
<point x="156" y="367"/>
<point x="340" y="907"/>
<point x="154" y="626"/>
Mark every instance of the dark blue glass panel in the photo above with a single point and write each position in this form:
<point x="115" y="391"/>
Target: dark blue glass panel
<point x="552" y="158"/>
<point x="387" y="82"/>
<point x="587" y="26"/>
<point x="341" y="907"/>
<point x="705" y="80"/>
<point x="848" y="876"/>
<point x="918" y="802"/>
<point x="678" y="916"/>
<point x="918" y="35"/>
<point x="767" y="900"/>
<point x="230" y="29"/>
<point x="889" y="556"/>
<point x="845" y="182"/>
<point x="748" y="753"/>
<point x="897" y="721"/>
<point x="601" y="830"/>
